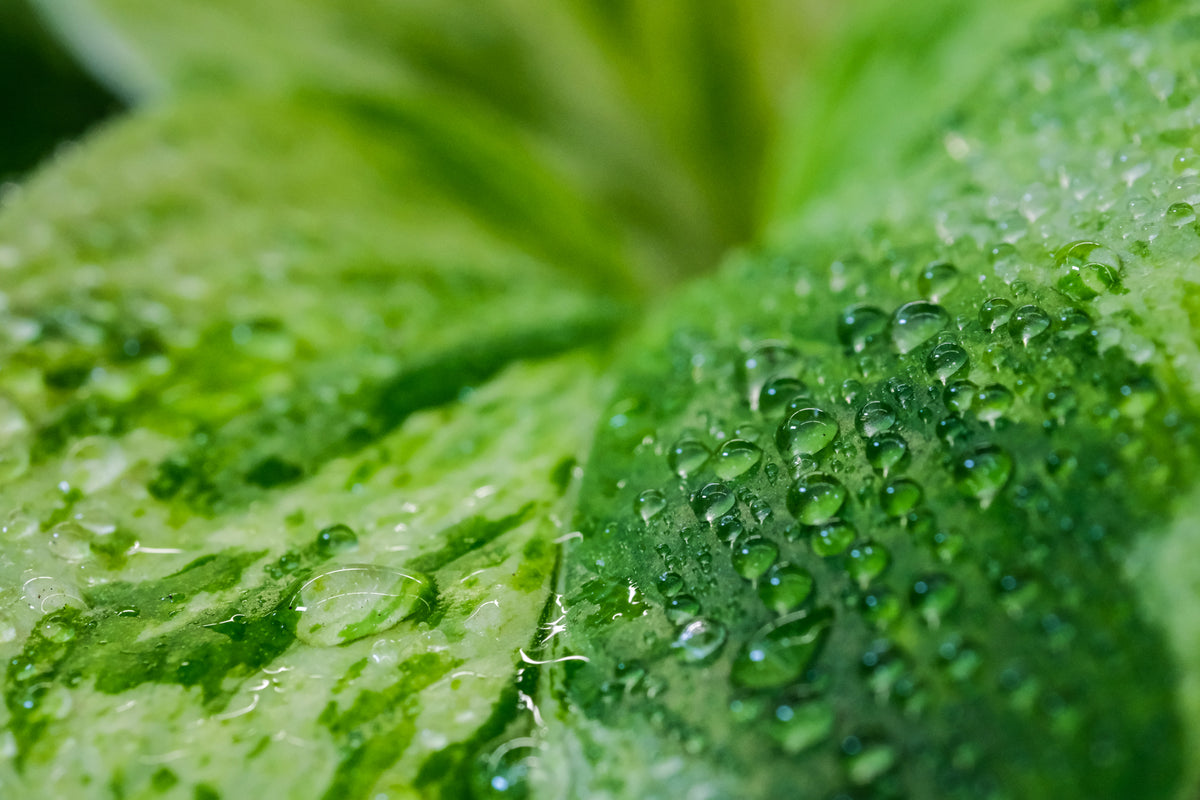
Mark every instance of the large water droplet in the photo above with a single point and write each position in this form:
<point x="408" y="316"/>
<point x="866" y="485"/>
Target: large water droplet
<point x="816" y="498"/>
<point x="780" y="653"/>
<point x="700" y="639"/>
<point x="959" y="395"/>
<point x="937" y="280"/>
<point x="649" y="504"/>
<point x="915" y="323"/>
<point x="356" y="600"/>
<point x="992" y="402"/>
<point x="934" y="597"/>
<point x="887" y="452"/>
<point x="713" y="501"/>
<point x="899" y="497"/>
<point x="867" y="562"/>
<point x="753" y="556"/>
<point x="806" y="432"/>
<point x="336" y="539"/>
<point x="735" y="458"/>
<point x="777" y="393"/>
<point x="946" y="360"/>
<point x="832" y="538"/>
<point x="982" y="473"/>
<point x="766" y="361"/>
<point x="687" y="456"/>
<point x="875" y="418"/>
<point x="796" y="728"/>
<point x="785" y="588"/>
<point x="995" y="314"/>
<point x="860" y="326"/>
<point x="1028" y="322"/>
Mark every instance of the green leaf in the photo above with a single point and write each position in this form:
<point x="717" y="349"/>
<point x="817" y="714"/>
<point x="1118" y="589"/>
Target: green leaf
<point x="904" y="512"/>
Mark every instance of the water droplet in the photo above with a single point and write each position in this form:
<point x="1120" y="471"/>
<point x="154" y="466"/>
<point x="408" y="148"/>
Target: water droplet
<point x="649" y="504"/>
<point x="1061" y="403"/>
<point x="505" y="771"/>
<point x="777" y="393"/>
<point x="806" y="432"/>
<point x="992" y="402"/>
<point x="959" y="395"/>
<point x="785" y="588"/>
<point x="682" y="608"/>
<point x="982" y="473"/>
<point x="887" y="452"/>
<point x="915" y="323"/>
<point x="356" y="600"/>
<point x="860" y="326"/>
<point x="93" y="463"/>
<point x="798" y="727"/>
<point x="735" y="458"/>
<point x="881" y="608"/>
<point x="687" y="457"/>
<point x="937" y="280"/>
<point x="867" y="562"/>
<point x="1006" y="262"/>
<point x="670" y="584"/>
<point x="946" y="360"/>
<point x="816" y="498"/>
<point x="700" y="639"/>
<point x="832" y="538"/>
<point x="935" y="596"/>
<point x="768" y="360"/>
<point x="1180" y="214"/>
<point x="336" y="539"/>
<point x="1088" y="281"/>
<point x="713" y="501"/>
<point x="753" y="556"/>
<point x="70" y="541"/>
<point x="780" y="653"/>
<point x="995" y="314"/>
<point x="875" y="418"/>
<point x="1138" y="396"/>
<point x="899" y="497"/>
<point x="1028" y="322"/>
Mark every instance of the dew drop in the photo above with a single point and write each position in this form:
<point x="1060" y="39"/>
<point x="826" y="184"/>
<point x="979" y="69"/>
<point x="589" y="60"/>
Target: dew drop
<point x="735" y="458"/>
<point x="887" y="452"/>
<point x="796" y="728"/>
<point x="649" y="504"/>
<point x="806" y="432"/>
<point x="995" y="314"/>
<point x="860" y="326"/>
<point x="832" y="538"/>
<point x="768" y="360"/>
<point x="688" y="456"/>
<point x="713" y="501"/>
<point x="992" y="402"/>
<point x="777" y="393"/>
<point x="785" y="588"/>
<point x="754" y="556"/>
<point x="915" y="323"/>
<point x="780" y="653"/>
<point x="816" y="498"/>
<point x="935" y="596"/>
<point x="699" y="640"/>
<point x="874" y="418"/>
<point x="1028" y="322"/>
<point x="867" y="562"/>
<point x="1088" y="281"/>
<point x="1180" y="214"/>
<point x="869" y="763"/>
<point x="336" y="539"/>
<point x="682" y="608"/>
<point x="946" y="360"/>
<point x="899" y="497"/>
<point x="356" y="600"/>
<point x="670" y="584"/>
<point x="982" y="473"/>
<point x="959" y="395"/>
<point x="881" y="608"/>
<point x="937" y="280"/>
<point x="70" y="541"/>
